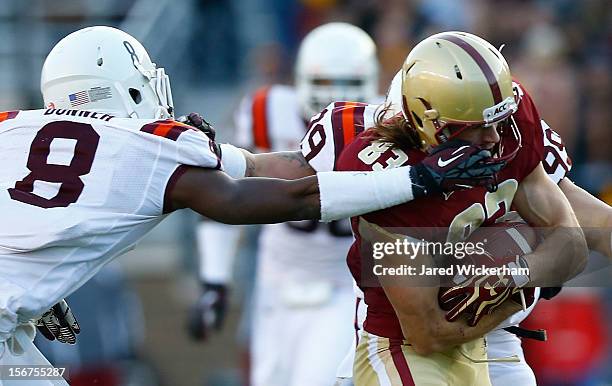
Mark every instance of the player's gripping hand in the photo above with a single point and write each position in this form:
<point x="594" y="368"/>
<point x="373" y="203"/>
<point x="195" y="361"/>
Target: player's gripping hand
<point x="480" y="294"/>
<point x="455" y="165"/>
<point x="59" y="323"/>
<point x="197" y="121"/>
<point x="209" y="311"/>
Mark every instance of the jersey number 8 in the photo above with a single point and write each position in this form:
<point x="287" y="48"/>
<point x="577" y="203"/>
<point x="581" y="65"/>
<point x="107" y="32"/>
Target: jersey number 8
<point x="67" y="176"/>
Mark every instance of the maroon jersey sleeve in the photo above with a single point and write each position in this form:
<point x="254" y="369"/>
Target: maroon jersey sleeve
<point x="529" y="125"/>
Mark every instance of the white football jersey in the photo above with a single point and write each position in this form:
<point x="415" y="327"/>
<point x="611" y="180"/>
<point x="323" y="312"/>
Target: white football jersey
<point x="270" y="120"/>
<point x="334" y="128"/>
<point x="78" y="188"/>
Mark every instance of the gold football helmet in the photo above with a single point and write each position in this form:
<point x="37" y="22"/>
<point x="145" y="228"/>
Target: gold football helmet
<point x="452" y="81"/>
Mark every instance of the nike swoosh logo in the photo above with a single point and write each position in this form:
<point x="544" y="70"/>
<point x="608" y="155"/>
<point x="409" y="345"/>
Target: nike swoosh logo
<point x="443" y="163"/>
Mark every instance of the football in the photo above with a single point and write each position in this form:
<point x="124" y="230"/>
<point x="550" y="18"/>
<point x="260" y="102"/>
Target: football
<point x="506" y="239"/>
<point x="501" y="240"/>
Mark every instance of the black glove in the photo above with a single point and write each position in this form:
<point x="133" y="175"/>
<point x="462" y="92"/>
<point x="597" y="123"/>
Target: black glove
<point x="209" y="311"/>
<point x="455" y="165"/>
<point x="59" y="323"/>
<point x="197" y="121"/>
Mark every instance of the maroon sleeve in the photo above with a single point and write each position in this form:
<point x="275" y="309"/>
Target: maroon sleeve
<point x="527" y="119"/>
<point x="178" y="172"/>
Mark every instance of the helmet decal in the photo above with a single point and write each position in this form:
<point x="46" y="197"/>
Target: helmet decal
<point x="130" y="49"/>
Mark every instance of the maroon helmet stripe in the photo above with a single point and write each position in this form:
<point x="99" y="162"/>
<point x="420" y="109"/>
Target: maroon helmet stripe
<point x="481" y="62"/>
<point x="399" y="360"/>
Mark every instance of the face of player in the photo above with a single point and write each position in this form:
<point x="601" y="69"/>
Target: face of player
<point x="484" y="137"/>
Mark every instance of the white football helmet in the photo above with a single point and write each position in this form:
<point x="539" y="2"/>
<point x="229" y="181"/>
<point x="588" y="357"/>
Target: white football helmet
<point x="394" y="94"/>
<point x="105" y="69"/>
<point x="335" y="62"/>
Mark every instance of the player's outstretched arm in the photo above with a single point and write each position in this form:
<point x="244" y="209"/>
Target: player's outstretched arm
<point x="594" y="216"/>
<point x="344" y="194"/>
<point x="289" y="165"/>
<point x="472" y="166"/>
<point x="563" y="253"/>
<point x="327" y="196"/>
<point x="217" y="196"/>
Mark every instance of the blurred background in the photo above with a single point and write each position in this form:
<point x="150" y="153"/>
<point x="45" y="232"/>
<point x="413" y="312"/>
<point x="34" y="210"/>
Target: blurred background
<point x="215" y="52"/>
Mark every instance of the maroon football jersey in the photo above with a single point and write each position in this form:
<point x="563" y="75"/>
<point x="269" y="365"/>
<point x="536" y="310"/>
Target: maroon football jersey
<point x="460" y="212"/>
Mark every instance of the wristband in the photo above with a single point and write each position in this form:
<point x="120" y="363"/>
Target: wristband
<point x="346" y="194"/>
<point x="233" y="160"/>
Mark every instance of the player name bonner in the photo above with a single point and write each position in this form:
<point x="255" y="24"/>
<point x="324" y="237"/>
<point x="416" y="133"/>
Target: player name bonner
<point x="465" y="270"/>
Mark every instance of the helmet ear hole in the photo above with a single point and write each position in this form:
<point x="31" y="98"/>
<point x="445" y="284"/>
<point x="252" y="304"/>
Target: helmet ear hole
<point x="136" y="96"/>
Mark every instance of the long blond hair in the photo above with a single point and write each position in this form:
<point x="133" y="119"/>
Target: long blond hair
<point x="395" y="130"/>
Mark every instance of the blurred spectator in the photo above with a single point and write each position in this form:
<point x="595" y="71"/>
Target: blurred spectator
<point x="546" y="72"/>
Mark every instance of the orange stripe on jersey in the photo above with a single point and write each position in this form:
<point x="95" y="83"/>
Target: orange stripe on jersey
<point x="8" y="115"/>
<point x="163" y="129"/>
<point x="348" y="122"/>
<point x="167" y="129"/>
<point x="260" y="119"/>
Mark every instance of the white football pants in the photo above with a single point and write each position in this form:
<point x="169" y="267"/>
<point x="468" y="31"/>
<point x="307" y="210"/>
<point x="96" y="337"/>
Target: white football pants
<point x="501" y="343"/>
<point x="295" y="344"/>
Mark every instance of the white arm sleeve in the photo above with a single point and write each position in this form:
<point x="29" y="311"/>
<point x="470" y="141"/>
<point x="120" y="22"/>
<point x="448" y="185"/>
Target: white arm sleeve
<point x="217" y="248"/>
<point x="347" y="194"/>
<point x="233" y="161"/>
